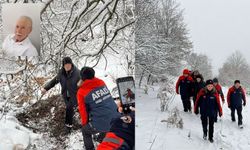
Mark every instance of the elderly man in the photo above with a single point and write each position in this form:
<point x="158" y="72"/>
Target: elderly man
<point x="68" y="76"/>
<point x="19" y="44"/>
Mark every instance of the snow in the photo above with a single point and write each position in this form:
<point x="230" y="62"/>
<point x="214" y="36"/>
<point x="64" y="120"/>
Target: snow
<point x="153" y="134"/>
<point x="12" y="134"/>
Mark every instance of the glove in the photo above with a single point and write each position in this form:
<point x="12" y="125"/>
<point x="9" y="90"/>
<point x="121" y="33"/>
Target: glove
<point x="244" y="104"/>
<point x="220" y="114"/>
<point x="177" y="92"/>
<point x="223" y="100"/>
<point x="229" y="106"/>
<point x="196" y="112"/>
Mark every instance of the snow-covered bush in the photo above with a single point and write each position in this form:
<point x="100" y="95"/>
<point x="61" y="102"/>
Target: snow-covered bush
<point x="174" y="120"/>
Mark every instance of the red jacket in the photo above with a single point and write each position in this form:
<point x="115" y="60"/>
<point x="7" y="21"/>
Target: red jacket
<point x="83" y="91"/>
<point x="219" y="90"/>
<point x="110" y="142"/>
<point x="202" y="97"/>
<point x="184" y="87"/>
<point x="235" y="97"/>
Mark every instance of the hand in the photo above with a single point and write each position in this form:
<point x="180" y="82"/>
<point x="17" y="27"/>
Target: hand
<point x="43" y="91"/>
<point x="220" y="114"/>
<point x="196" y="112"/>
<point x="229" y="106"/>
<point x="244" y="104"/>
<point x="177" y="92"/>
<point x="223" y="101"/>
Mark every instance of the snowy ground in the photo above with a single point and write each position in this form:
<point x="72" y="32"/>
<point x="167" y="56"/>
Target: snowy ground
<point x="152" y="134"/>
<point x="13" y="135"/>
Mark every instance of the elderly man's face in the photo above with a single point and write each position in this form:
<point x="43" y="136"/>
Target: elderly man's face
<point x="67" y="67"/>
<point x="22" y="30"/>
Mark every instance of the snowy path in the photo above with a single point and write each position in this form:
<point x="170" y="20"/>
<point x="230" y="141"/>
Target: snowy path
<point x="152" y="134"/>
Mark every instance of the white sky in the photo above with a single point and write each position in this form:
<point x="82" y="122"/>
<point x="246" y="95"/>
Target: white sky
<point x="218" y="28"/>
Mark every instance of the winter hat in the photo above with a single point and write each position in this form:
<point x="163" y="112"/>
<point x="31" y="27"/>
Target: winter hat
<point x="236" y="81"/>
<point x="67" y="60"/>
<point x="209" y="82"/>
<point x="215" y="80"/>
<point x="87" y="73"/>
<point x="199" y="76"/>
<point x="185" y="71"/>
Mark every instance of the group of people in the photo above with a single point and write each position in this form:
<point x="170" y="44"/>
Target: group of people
<point x="98" y="110"/>
<point x="207" y="96"/>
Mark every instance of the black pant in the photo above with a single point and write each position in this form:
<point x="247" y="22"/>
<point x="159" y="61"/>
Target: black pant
<point x="239" y="113"/>
<point x="205" y="120"/>
<point x="87" y="132"/>
<point x="69" y="111"/>
<point x="186" y="103"/>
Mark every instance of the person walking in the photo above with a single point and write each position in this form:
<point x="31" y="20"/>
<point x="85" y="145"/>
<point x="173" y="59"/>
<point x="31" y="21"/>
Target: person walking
<point x="209" y="103"/>
<point x="235" y="98"/>
<point x="185" y="84"/>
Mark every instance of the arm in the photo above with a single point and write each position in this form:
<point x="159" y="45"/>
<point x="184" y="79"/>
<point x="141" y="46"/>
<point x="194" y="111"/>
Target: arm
<point x="82" y="108"/>
<point x="52" y="83"/>
<point x="221" y="94"/>
<point x="219" y="105"/>
<point x="244" y="97"/>
<point x="229" y="97"/>
<point x="177" y="86"/>
<point x="198" y="100"/>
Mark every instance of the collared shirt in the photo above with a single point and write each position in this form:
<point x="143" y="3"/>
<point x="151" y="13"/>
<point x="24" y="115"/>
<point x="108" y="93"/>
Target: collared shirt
<point x="13" y="48"/>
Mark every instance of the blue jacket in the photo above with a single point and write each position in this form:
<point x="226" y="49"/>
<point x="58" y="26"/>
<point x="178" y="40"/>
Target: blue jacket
<point x="209" y="103"/>
<point x="235" y="97"/>
<point x="68" y="81"/>
<point x="96" y="105"/>
<point x="186" y="85"/>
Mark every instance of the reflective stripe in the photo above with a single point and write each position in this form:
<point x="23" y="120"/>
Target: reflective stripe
<point x="111" y="140"/>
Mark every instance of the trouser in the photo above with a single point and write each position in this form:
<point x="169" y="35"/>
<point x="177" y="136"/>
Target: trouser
<point x="87" y="132"/>
<point x="69" y="111"/>
<point x="216" y="117"/>
<point x="239" y="113"/>
<point x="208" y="121"/>
<point x="186" y="103"/>
<point x="194" y="100"/>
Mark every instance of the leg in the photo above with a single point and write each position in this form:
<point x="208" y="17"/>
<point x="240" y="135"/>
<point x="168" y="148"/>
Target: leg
<point x="194" y="99"/>
<point x="69" y="114"/>
<point x="87" y="132"/>
<point x="204" y="125"/>
<point x="239" y="113"/>
<point x="211" y="128"/>
<point x="233" y="114"/>
<point x="189" y="104"/>
<point x="215" y="118"/>
<point x="184" y="102"/>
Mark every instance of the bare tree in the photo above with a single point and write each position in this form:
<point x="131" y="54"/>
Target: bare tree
<point x="201" y="63"/>
<point x="235" y="67"/>
<point x="162" y="41"/>
<point x="85" y="30"/>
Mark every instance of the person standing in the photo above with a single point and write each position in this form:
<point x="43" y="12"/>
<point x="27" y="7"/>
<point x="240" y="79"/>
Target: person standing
<point x="185" y="83"/>
<point x="219" y="89"/>
<point x="209" y="103"/>
<point x="68" y="76"/>
<point x="220" y="92"/>
<point x="235" y="98"/>
<point x="198" y="85"/>
<point x="96" y="106"/>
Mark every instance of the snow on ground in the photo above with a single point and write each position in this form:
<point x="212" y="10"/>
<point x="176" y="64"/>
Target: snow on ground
<point x="152" y="134"/>
<point x="13" y="134"/>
